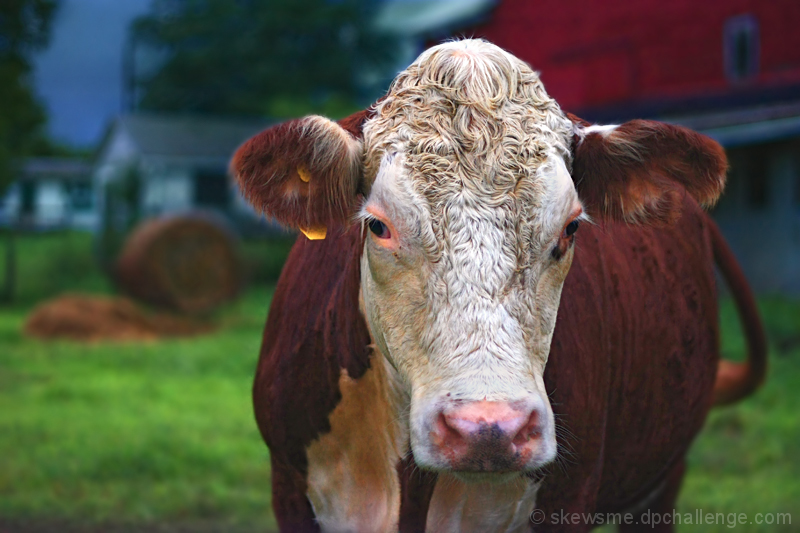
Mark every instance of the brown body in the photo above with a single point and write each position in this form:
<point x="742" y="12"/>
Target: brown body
<point x="446" y="332"/>
<point x="630" y="375"/>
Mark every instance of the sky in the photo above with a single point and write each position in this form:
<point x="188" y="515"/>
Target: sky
<point x="79" y="77"/>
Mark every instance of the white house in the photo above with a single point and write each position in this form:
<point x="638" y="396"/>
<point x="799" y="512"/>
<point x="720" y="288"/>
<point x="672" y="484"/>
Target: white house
<point x="179" y="162"/>
<point x="51" y="193"/>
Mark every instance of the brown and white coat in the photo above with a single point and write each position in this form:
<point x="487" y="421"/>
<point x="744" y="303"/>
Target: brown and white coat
<point x="442" y="369"/>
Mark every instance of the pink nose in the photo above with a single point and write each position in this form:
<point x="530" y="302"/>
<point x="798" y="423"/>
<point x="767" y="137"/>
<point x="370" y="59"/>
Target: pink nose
<point x="487" y="436"/>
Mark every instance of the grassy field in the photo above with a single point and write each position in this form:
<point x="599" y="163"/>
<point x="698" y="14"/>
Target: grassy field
<point x="51" y="263"/>
<point x="161" y="435"/>
<point x="134" y="433"/>
<point x="747" y="460"/>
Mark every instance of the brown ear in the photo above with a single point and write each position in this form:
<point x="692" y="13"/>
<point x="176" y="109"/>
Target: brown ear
<point x="305" y="172"/>
<point x="640" y="170"/>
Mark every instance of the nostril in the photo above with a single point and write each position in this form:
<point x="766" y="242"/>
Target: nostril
<point x="529" y="431"/>
<point x="459" y="425"/>
<point x="448" y="436"/>
<point x="444" y="430"/>
<point x="445" y="426"/>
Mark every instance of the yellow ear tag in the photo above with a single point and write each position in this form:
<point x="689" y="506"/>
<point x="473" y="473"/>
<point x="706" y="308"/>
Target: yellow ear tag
<point x="318" y="233"/>
<point x="304" y="174"/>
<point x="315" y="234"/>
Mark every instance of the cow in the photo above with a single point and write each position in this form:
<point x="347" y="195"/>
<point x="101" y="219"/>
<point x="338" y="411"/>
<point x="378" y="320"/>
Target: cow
<point x="498" y="315"/>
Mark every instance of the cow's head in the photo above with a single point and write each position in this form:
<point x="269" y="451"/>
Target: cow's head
<point x="472" y="183"/>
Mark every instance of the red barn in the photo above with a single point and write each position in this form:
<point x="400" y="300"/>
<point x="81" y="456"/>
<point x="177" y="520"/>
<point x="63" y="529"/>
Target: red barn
<point x="728" y="68"/>
<point x="617" y="58"/>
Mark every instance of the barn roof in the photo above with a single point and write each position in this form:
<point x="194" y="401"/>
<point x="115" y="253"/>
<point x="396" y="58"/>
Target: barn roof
<point x="751" y="125"/>
<point x="430" y="17"/>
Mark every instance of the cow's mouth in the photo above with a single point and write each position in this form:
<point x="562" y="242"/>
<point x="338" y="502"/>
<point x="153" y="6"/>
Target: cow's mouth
<point x="497" y="478"/>
<point x="535" y="476"/>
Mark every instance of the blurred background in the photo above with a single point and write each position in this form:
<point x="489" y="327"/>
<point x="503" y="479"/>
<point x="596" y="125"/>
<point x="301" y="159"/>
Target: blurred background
<point x="134" y="280"/>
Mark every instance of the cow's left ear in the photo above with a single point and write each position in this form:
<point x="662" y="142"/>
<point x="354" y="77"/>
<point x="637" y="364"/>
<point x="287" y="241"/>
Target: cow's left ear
<point x="640" y="170"/>
<point x="306" y="173"/>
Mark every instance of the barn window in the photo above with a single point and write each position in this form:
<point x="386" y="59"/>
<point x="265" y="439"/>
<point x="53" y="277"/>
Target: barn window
<point x="796" y="180"/>
<point x="757" y="178"/>
<point x="758" y="190"/>
<point x="741" y="47"/>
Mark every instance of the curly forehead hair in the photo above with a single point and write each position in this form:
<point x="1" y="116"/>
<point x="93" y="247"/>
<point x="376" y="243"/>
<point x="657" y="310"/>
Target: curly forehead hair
<point x="467" y="113"/>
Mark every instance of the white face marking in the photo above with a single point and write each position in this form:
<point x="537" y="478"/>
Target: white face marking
<point x="462" y="299"/>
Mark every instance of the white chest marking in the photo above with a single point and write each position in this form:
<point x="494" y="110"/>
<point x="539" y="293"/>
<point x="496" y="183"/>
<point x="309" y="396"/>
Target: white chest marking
<point x="352" y="478"/>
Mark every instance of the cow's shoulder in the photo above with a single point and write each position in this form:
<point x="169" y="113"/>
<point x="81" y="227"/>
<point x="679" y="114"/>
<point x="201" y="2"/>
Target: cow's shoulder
<point x="325" y="401"/>
<point x="637" y="319"/>
<point x="314" y="332"/>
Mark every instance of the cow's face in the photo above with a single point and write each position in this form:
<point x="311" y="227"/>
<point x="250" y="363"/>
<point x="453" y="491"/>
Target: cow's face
<point x="470" y="183"/>
<point x="471" y="211"/>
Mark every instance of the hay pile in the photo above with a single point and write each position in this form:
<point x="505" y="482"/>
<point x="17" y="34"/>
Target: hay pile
<point x="96" y="318"/>
<point x="188" y="264"/>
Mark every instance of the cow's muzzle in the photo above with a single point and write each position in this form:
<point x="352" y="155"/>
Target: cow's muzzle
<point x="484" y="436"/>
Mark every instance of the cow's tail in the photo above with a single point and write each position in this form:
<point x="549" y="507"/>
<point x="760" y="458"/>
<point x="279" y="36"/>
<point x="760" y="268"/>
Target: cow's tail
<point x="738" y="380"/>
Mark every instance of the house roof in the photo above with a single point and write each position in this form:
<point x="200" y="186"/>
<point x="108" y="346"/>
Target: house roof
<point x="187" y="136"/>
<point x="58" y="168"/>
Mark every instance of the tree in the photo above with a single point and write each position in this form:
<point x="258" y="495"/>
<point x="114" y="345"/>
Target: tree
<point x="24" y="29"/>
<point x="266" y="57"/>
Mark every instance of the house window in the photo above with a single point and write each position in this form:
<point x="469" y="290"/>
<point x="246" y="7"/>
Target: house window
<point x="741" y="47"/>
<point x="81" y="196"/>
<point x="27" y="198"/>
<point x="211" y="189"/>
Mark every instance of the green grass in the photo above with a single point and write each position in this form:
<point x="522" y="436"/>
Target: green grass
<point x="134" y="433"/>
<point x="263" y="258"/>
<point x="747" y="460"/>
<point x="163" y="432"/>
<point x="54" y="262"/>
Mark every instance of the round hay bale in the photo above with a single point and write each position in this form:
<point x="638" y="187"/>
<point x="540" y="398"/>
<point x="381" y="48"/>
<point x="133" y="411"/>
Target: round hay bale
<point x="97" y="318"/>
<point x="188" y="264"/>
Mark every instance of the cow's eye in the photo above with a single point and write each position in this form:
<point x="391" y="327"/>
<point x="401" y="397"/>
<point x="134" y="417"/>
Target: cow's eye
<point x="571" y="228"/>
<point x="380" y="229"/>
<point x="566" y="240"/>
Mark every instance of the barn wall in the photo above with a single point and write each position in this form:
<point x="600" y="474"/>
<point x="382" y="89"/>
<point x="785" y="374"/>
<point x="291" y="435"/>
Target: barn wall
<point x="759" y="214"/>
<point x="593" y="54"/>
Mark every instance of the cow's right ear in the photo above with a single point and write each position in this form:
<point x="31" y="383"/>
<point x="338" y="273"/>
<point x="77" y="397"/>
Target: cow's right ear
<point x="305" y="173"/>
